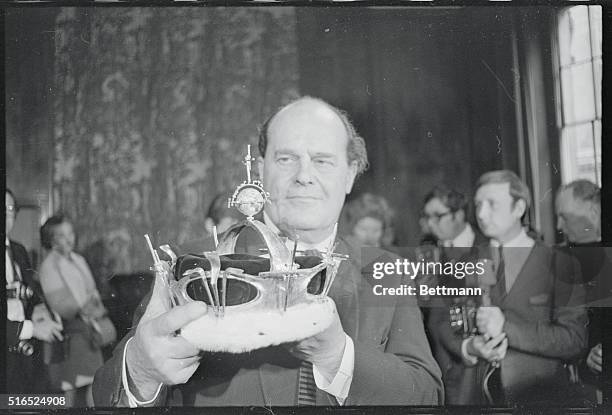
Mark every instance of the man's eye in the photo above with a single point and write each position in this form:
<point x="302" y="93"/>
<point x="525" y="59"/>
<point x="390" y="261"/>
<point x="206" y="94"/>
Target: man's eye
<point x="323" y="162"/>
<point x="284" y="159"/>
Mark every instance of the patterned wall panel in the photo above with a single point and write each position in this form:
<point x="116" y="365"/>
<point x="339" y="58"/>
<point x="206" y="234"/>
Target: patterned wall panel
<point x="153" y="111"/>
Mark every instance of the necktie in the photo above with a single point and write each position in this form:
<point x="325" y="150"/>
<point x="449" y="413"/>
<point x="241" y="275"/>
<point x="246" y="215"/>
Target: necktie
<point x="499" y="290"/>
<point x="307" y="389"/>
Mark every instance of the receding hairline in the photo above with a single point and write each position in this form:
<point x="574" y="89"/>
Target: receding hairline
<point x="310" y="101"/>
<point x="356" y="152"/>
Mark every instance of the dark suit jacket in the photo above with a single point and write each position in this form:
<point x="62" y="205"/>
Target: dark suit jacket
<point x="596" y="267"/>
<point x="20" y="370"/>
<point x="461" y="385"/>
<point x="20" y="256"/>
<point x="393" y="362"/>
<point x="546" y="326"/>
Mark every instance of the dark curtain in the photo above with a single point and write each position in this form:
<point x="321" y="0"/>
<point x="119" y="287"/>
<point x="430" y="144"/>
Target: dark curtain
<point x="431" y="91"/>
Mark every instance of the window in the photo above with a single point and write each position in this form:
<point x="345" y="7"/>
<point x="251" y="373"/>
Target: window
<point x="579" y="34"/>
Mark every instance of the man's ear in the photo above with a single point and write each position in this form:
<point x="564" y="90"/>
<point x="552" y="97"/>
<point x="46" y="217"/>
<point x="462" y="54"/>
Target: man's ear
<point x="260" y="167"/>
<point x="595" y="214"/>
<point x="520" y="207"/>
<point x="351" y="174"/>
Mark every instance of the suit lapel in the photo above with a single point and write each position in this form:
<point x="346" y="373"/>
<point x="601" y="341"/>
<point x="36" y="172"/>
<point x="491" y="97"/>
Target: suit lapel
<point x="345" y="290"/>
<point x="532" y="268"/>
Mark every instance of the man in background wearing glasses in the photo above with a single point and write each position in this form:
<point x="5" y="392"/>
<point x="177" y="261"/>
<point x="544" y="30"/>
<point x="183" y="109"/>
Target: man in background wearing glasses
<point x="445" y="210"/>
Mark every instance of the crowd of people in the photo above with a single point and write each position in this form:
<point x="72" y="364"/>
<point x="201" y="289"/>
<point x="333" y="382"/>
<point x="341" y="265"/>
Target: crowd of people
<point x="536" y="335"/>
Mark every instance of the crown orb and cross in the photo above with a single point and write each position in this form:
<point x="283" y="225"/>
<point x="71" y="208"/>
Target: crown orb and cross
<point x="249" y="197"/>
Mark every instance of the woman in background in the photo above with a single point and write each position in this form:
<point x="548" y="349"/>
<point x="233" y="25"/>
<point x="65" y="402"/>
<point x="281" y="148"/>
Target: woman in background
<point x="368" y="220"/>
<point x="70" y="290"/>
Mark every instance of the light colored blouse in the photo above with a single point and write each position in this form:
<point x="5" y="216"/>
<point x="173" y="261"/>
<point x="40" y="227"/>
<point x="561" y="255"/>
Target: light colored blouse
<point x="67" y="283"/>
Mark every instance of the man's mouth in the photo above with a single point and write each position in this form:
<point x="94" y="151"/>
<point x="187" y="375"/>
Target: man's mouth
<point x="303" y="197"/>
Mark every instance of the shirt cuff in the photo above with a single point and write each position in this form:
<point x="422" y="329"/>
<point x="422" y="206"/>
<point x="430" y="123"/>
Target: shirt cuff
<point x="341" y="383"/>
<point x="468" y="359"/>
<point x="132" y="401"/>
<point x="27" y="330"/>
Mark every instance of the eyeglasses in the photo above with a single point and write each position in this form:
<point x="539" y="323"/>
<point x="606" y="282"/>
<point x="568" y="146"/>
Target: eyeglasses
<point x="436" y="217"/>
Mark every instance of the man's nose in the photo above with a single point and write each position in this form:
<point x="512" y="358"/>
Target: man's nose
<point x="560" y="224"/>
<point x="481" y="212"/>
<point x="305" y="174"/>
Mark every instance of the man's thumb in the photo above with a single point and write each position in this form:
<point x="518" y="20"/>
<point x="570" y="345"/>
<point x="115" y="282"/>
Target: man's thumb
<point x="180" y="316"/>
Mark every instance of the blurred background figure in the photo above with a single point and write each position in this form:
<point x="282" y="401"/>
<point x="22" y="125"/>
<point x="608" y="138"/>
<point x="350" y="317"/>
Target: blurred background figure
<point x="427" y="237"/>
<point x="578" y="209"/>
<point x="368" y="219"/>
<point x="71" y="291"/>
<point x="445" y="211"/>
<point x="28" y="322"/>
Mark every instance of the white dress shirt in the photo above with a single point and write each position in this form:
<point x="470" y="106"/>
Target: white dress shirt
<point x="465" y="239"/>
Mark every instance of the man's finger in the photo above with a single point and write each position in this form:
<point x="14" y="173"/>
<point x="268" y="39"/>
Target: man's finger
<point x="58" y="335"/>
<point x="182" y="349"/>
<point x="597" y="351"/>
<point x="501" y="350"/>
<point x="179" y="316"/>
<point x="597" y="359"/>
<point x="496" y="340"/>
<point x="188" y="361"/>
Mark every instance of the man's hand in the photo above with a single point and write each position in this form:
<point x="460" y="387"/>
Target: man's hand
<point x="157" y="354"/>
<point x="594" y="360"/>
<point x="323" y="350"/>
<point x="492" y="350"/>
<point x="47" y="330"/>
<point x="41" y="312"/>
<point x="490" y="321"/>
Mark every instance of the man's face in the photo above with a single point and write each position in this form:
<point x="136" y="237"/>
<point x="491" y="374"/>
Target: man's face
<point x="578" y="220"/>
<point x="63" y="238"/>
<point x="368" y="231"/>
<point x="444" y="224"/>
<point x="305" y="168"/>
<point x="496" y="211"/>
<point x="11" y="212"/>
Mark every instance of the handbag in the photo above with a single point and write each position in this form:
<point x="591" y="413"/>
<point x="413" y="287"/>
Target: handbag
<point x="101" y="329"/>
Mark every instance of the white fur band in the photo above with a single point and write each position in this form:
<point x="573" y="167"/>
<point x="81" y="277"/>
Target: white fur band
<point x="254" y="329"/>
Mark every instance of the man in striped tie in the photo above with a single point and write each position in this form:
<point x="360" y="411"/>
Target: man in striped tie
<point x="374" y="353"/>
